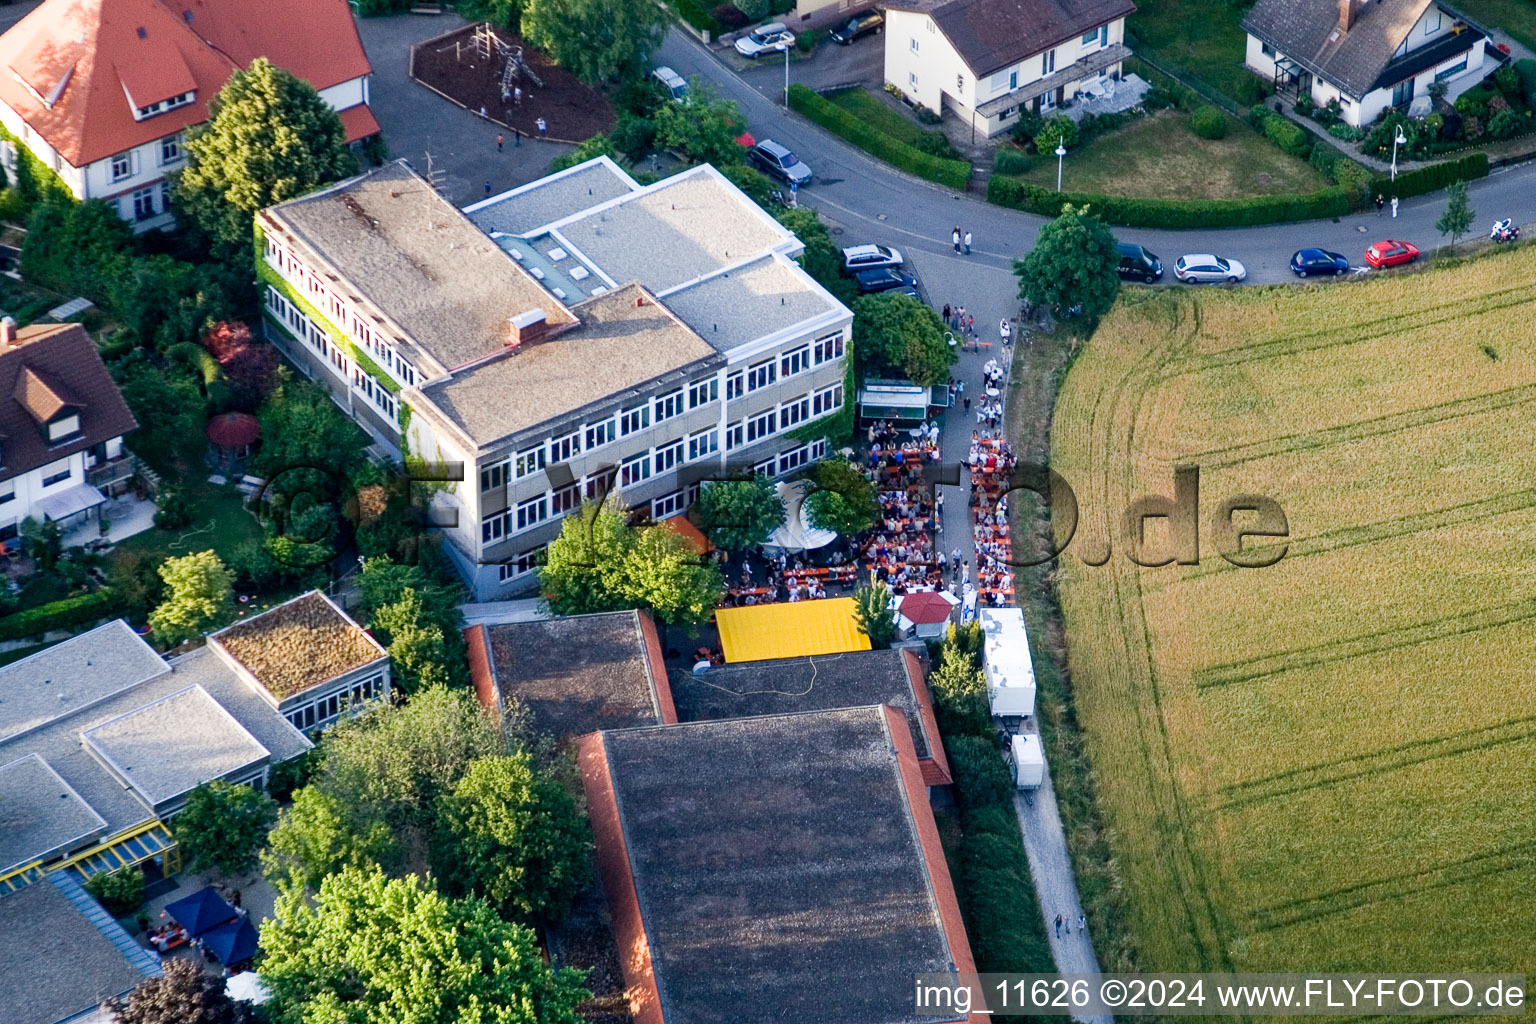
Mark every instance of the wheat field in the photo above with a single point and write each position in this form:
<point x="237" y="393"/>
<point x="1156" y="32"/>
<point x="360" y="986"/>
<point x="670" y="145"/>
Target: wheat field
<point x="1329" y="763"/>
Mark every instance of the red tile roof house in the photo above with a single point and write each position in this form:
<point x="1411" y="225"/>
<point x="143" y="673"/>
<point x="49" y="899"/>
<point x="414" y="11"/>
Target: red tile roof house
<point x="102" y="92"/>
<point x="779" y="868"/>
<point x="62" y="422"/>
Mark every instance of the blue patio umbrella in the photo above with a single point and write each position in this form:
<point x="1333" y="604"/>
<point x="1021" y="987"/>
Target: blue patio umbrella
<point x="201" y="912"/>
<point x="232" y="942"/>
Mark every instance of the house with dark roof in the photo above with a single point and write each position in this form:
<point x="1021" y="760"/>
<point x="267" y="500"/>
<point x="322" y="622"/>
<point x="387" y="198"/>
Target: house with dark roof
<point x="1366" y="54"/>
<point x="575" y="674"/>
<point x="984" y="61"/>
<point x="785" y="867"/>
<point x="104" y="92"/>
<point x="824" y="682"/>
<point x="62" y="422"/>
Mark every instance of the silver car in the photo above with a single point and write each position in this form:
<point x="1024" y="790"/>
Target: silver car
<point x="1198" y="267"/>
<point x="774" y="37"/>
<point x="869" y="257"/>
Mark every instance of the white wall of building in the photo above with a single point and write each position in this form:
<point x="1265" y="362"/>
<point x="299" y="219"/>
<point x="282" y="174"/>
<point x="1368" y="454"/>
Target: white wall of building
<point x="20" y="494"/>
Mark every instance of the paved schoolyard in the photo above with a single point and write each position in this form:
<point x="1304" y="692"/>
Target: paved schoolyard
<point x="417" y="121"/>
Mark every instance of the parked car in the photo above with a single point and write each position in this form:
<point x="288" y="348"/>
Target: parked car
<point x="778" y="161"/>
<point x="857" y="25"/>
<point x="883" y="280"/>
<point x="1197" y="267"/>
<point x="1306" y="262"/>
<point x="1391" y="253"/>
<point x="672" y="82"/>
<point x="1137" y="263"/>
<point x="870" y="257"/>
<point x="774" y="37"/>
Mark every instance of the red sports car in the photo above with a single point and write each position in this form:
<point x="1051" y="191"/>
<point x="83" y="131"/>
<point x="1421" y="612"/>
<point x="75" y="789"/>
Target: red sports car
<point x="1391" y="253"/>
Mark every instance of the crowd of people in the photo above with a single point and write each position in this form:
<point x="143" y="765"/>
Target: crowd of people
<point x="991" y="462"/>
<point x="904" y="552"/>
<point x="785" y="578"/>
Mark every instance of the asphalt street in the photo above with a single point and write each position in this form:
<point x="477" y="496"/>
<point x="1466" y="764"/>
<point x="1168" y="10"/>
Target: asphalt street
<point x="874" y="202"/>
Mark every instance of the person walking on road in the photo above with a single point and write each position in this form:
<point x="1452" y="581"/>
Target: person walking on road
<point x="1394" y="207"/>
<point x="517" y="137"/>
<point x="1058" y="926"/>
<point x="1082" y="923"/>
<point x="1380" y="202"/>
<point x="542" y="127"/>
<point x="967" y="243"/>
<point x="499" y="140"/>
<point x="954" y="236"/>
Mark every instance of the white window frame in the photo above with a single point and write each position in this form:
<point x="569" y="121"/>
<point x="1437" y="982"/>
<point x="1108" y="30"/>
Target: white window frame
<point x="735" y="385"/>
<point x="827" y="400"/>
<point x="796" y="360"/>
<point x="735" y="435"/>
<point x="703" y="392"/>
<point x="595" y="435"/>
<point x="914" y="46"/>
<point x="668" y="456"/>
<point x="792" y="414"/>
<point x="1431" y="27"/>
<point x="668" y="505"/>
<point x="170" y="149"/>
<point x="528" y="462"/>
<point x="493" y="477"/>
<point x="64" y="427"/>
<point x="126" y="160"/>
<point x="494" y="527"/>
<point x="669" y="405"/>
<point x="703" y="444"/>
<point x="564" y="449"/>
<point x="635" y="470"/>
<point x="763" y="425"/>
<point x="635" y="419"/>
<point x="829" y="347"/>
<point x="762" y="375"/>
<point x="531" y="513"/>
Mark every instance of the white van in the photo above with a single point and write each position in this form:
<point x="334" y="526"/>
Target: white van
<point x="674" y="83"/>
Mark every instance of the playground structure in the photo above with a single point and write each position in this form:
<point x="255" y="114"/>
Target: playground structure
<point x="513" y="68"/>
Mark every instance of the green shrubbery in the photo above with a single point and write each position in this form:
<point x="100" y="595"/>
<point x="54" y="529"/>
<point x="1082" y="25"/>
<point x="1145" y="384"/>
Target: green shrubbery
<point x="1131" y="211"/>
<point x="694" y="14"/>
<point x="1436" y="176"/>
<point x="121" y="892"/>
<point x="1010" y="160"/>
<point x="1208" y="123"/>
<point x="65" y="614"/>
<point x="954" y="173"/>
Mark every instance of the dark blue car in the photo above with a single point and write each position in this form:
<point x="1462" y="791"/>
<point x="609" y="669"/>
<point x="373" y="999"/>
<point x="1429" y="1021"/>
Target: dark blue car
<point x="1307" y="262"/>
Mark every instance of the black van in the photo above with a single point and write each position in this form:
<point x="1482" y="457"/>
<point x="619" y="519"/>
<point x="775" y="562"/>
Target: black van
<point x="1137" y="264"/>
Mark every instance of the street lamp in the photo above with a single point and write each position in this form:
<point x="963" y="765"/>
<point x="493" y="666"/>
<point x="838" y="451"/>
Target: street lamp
<point x="1401" y="140"/>
<point x="1061" y="151"/>
<point x="786" y="78"/>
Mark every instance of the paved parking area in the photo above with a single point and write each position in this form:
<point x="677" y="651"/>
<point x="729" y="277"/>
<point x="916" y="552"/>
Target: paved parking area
<point x="417" y="121"/>
<point x="831" y="65"/>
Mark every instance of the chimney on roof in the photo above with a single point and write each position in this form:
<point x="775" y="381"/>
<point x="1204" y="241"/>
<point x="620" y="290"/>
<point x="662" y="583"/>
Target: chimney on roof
<point x="527" y="328"/>
<point x="1346" y="15"/>
<point x="7" y="332"/>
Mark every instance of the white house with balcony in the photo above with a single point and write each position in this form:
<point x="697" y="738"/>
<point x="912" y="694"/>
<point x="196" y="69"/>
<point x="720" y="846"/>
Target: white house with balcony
<point x="1366" y="54"/>
<point x="986" y="60"/>
<point x="62" y="422"/>
<point x="103" y="93"/>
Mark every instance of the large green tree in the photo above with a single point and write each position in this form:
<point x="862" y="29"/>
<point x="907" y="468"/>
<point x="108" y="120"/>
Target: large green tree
<point x="595" y="40"/>
<point x="903" y="335"/>
<point x="319" y="835"/>
<point x="270" y="138"/>
<point x="201" y="596"/>
<point x="841" y="498"/>
<point x="1073" y="263"/>
<point x="1456" y="219"/>
<point x="515" y="837"/>
<point x="416" y="644"/>
<point x="600" y="564"/>
<point x="703" y="128"/>
<point x="185" y="995"/>
<point x="302" y="428"/>
<point x="739" y="514"/>
<point x="373" y="950"/>
<point x="224" y="826"/>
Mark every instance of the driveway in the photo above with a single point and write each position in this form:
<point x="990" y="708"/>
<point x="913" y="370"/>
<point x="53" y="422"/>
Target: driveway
<point x="874" y="202"/>
<point x="418" y="122"/>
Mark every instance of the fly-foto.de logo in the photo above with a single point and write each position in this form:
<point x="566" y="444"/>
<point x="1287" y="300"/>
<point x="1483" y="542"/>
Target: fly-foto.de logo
<point x="1233" y="525"/>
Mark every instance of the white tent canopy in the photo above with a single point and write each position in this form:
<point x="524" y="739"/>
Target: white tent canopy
<point x="797" y="533"/>
<point x="246" y="985"/>
<point x="1010" y="672"/>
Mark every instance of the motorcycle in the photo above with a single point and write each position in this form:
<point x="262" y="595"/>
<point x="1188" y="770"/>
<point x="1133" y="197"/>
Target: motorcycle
<point x="1505" y="230"/>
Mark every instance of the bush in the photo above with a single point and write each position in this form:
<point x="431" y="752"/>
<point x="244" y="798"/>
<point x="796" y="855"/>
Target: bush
<point x="806" y="41"/>
<point x="121" y="892"/>
<point x="937" y="144"/>
<point x="1059" y="130"/>
<point x="1027" y="127"/>
<point x="981" y="777"/>
<point x="1208" y="123"/>
<point x="1508" y="81"/>
<point x="1526" y="69"/>
<point x="954" y="173"/>
<point x="755" y="10"/>
<point x="1304" y="105"/>
<point x="1159" y="98"/>
<point x="173" y="511"/>
<point x="1436" y="176"/>
<point x="729" y="16"/>
<point x="1010" y="160"/>
<point x="1322" y="160"/>
<point x="1353" y="178"/>
<point x="70" y="612"/>
<point x="1132" y="211"/>
<point x="698" y="17"/>
<point x="633" y="136"/>
<point x="1288" y="135"/>
<point x="926" y="116"/>
<point x="1450" y="127"/>
<point x="1250" y="90"/>
<point x="1506" y="124"/>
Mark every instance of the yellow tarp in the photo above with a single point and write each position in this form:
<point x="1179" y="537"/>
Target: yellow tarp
<point x="789" y="630"/>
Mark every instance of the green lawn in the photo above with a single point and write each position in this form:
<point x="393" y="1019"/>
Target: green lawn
<point x="1160" y="158"/>
<point x="1516" y="17"/>
<point x="219" y="521"/>
<point x="869" y="108"/>
<point x="1202" y="39"/>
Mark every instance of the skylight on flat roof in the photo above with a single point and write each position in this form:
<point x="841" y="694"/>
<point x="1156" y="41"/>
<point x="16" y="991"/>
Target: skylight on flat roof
<point x="557" y="254"/>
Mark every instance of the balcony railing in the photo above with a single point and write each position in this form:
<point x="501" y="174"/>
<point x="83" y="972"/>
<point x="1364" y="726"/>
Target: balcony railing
<point x="105" y="474"/>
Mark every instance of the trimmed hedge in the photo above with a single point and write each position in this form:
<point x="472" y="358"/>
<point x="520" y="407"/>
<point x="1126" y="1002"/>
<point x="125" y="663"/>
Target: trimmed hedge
<point x="694" y="14"/>
<point x="1435" y="176"/>
<point x="954" y="173"/>
<point x="1136" y="212"/>
<point x="71" y="611"/>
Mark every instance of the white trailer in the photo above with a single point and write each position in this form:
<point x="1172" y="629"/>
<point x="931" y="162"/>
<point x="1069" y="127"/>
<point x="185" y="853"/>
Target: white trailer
<point x="1009" y="670"/>
<point x="1028" y="761"/>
